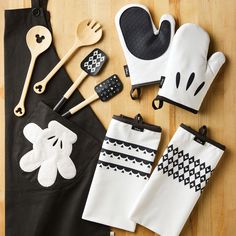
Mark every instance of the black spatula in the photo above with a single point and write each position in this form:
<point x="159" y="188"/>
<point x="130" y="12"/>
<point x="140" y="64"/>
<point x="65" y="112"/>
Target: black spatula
<point x="91" y="65"/>
<point x="105" y="91"/>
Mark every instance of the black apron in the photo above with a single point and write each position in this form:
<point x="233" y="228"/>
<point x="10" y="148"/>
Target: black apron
<point x="31" y="209"/>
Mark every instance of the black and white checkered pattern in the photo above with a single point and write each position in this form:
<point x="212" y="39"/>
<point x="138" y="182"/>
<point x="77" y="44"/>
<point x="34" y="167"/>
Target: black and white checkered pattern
<point x="93" y="62"/>
<point x="183" y="167"/>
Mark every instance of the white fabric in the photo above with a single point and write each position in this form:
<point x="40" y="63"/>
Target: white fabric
<point x="121" y="174"/>
<point x="169" y="196"/>
<point x="144" y="71"/>
<point x="188" y="54"/>
<point x="51" y="152"/>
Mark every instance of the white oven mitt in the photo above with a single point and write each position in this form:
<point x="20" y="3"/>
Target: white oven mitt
<point x="145" y="47"/>
<point x="177" y="182"/>
<point x="188" y="73"/>
<point x="51" y="152"/>
<point x="123" y="169"/>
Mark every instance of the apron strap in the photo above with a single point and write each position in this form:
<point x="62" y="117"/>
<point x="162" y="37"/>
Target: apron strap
<point x="39" y="3"/>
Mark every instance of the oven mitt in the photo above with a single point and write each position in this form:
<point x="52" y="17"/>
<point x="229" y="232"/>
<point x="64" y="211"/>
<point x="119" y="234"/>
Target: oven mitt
<point x="177" y="182"/>
<point x="123" y="169"/>
<point x="51" y="152"/>
<point x="188" y="72"/>
<point x="145" y="47"/>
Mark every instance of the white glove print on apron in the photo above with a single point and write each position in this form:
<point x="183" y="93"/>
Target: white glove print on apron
<point x="51" y="152"/>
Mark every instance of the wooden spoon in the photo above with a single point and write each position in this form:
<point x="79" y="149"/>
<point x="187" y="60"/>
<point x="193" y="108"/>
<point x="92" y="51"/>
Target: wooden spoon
<point x="88" y="33"/>
<point x="38" y="39"/>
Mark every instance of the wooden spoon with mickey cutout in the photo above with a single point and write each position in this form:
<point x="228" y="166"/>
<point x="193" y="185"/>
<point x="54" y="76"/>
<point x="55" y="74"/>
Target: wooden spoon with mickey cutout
<point x="38" y="40"/>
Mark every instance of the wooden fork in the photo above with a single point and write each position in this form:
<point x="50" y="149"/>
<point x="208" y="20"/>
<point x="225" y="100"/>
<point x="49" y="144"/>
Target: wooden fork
<point x="88" y="32"/>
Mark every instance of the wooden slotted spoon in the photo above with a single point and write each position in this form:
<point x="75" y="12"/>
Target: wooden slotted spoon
<point x="88" y="33"/>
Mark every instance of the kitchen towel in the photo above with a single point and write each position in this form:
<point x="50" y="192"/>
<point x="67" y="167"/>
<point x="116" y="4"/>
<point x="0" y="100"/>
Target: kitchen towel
<point x="123" y="168"/>
<point x="177" y="182"/>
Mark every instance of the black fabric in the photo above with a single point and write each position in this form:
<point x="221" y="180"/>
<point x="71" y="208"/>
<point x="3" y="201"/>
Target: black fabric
<point x="137" y="29"/>
<point x="39" y="3"/>
<point x="33" y="210"/>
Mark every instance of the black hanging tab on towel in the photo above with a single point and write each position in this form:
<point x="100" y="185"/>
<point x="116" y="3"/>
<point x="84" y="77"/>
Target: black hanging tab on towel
<point x="137" y="123"/>
<point x="201" y="136"/>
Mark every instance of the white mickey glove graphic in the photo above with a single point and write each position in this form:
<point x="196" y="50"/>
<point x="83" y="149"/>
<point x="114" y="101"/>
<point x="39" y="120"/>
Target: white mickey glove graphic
<point x="51" y="152"/>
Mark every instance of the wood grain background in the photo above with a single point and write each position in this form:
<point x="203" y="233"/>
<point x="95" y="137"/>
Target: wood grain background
<point x="215" y="213"/>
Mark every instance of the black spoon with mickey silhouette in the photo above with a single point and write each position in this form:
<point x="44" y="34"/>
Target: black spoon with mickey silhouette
<point x="106" y="90"/>
<point x="91" y="65"/>
<point x="38" y="39"/>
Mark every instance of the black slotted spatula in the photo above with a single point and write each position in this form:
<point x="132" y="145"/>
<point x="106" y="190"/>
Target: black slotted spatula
<point x="91" y="65"/>
<point x="105" y="91"/>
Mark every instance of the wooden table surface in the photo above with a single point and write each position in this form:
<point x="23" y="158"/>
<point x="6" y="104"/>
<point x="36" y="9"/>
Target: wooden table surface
<point x="215" y="213"/>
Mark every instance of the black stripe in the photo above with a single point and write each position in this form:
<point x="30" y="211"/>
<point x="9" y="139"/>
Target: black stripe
<point x="126" y="169"/>
<point x="164" y="99"/>
<point x="109" y="152"/>
<point x="112" y="140"/>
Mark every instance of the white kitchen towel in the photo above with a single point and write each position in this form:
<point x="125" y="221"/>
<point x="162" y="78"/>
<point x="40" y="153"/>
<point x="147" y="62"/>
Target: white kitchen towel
<point x="123" y="169"/>
<point x="177" y="182"/>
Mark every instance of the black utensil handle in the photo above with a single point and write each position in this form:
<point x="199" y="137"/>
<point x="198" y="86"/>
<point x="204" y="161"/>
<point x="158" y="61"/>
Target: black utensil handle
<point x="67" y="114"/>
<point x="60" y="104"/>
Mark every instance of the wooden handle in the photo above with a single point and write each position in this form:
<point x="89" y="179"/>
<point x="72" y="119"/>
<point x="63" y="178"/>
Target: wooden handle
<point x="75" y="85"/>
<point x="70" y="91"/>
<point x="41" y="85"/>
<point x="20" y="107"/>
<point x="81" y="105"/>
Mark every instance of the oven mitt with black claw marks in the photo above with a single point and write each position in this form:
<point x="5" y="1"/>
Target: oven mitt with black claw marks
<point x="188" y="73"/>
<point x="123" y="169"/>
<point x="145" y="47"/>
<point x="177" y="182"/>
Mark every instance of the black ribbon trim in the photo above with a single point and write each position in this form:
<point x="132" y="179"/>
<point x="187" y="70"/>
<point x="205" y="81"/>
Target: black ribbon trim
<point x="124" y="156"/>
<point x="126" y="144"/>
<point x="123" y="169"/>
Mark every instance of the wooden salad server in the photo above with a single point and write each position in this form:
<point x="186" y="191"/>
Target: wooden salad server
<point x="88" y="33"/>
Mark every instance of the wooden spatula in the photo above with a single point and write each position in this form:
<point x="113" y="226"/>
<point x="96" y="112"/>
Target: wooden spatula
<point x="88" y="32"/>
<point x="105" y="91"/>
<point x="38" y="39"/>
<point x="91" y="65"/>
